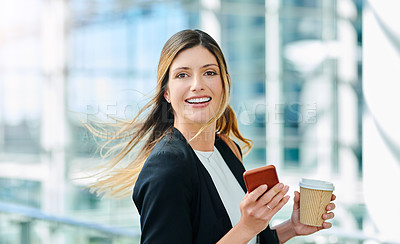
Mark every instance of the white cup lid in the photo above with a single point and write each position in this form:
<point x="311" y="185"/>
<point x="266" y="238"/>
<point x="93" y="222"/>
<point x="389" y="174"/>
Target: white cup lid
<point x="316" y="184"/>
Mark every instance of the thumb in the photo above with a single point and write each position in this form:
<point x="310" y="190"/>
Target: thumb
<point x="296" y="199"/>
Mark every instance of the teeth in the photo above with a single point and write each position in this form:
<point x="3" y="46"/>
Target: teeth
<point x="199" y="100"/>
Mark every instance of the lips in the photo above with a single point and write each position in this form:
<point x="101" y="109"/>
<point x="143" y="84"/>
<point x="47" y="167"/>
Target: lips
<point x="198" y="100"/>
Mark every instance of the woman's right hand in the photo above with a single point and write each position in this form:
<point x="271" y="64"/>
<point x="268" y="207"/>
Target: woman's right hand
<point x="257" y="208"/>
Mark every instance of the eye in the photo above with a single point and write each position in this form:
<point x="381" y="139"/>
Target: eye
<point x="210" y="73"/>
<point x="181" y="75"/>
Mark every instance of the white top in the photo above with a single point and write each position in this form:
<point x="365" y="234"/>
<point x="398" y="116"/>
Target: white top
<point x="229" y="189"/>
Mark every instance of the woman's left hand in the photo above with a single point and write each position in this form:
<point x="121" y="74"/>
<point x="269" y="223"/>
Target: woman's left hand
<point x="302" y="229"/>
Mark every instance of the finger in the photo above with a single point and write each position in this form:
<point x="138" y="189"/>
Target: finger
<point x="277" y="207"/>
<point x="278" y="197"/>
<point x="333" y="197"/>
<point x="256" y="193"/>
<point x="266" y="198"/>
<point x="276" y="189"/>
<point x="326" y="225"/>
<point x="330" y="207"/>
<point x="269" y="198"/>
<point x="328" y="216"/>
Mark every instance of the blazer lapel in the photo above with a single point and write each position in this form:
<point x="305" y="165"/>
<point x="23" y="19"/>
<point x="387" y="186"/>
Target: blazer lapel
<point x="232" y="161"/>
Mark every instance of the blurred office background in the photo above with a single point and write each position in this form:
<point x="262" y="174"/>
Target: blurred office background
<point x="296" y="67"/>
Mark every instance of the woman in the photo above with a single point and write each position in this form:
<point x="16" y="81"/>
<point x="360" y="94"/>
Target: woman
<point x="188" y="185"/>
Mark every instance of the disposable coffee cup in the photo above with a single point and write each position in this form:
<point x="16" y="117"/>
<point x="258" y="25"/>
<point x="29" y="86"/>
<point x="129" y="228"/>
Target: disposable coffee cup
<point x="315" y="195"/>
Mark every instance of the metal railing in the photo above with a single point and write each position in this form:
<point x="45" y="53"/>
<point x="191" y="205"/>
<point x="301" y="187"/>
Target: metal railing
<point x="28" y="215"/>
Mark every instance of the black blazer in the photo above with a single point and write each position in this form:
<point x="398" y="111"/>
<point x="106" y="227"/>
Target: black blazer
<point x="177" y="199"/>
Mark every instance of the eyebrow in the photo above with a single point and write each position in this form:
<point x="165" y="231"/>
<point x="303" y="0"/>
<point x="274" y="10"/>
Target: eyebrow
<point x="186" y="68"/>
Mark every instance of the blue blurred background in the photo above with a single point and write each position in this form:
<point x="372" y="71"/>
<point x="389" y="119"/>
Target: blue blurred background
<point x="297" y="69"/>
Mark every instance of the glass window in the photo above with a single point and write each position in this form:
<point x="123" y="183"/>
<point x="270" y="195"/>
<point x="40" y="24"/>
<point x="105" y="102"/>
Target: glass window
<point x="23" y="192"/>
<point x="20" y="77"/>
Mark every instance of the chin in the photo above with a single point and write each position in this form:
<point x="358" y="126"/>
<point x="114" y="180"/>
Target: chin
<point x="197" y="117"/>
<point x="201" y="120"/>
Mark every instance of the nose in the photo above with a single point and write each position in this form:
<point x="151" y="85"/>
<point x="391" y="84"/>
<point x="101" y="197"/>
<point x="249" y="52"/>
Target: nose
<point x="197" y="83"/>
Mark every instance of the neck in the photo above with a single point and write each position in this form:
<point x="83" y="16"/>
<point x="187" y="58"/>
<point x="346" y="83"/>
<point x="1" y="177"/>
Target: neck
<point x="204" y="141"/>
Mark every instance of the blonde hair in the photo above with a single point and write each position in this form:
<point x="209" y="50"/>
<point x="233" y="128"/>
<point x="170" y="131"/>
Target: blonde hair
<point x="143" y="134"/>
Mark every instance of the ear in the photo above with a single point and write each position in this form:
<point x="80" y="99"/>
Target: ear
<point x="166" y="96"/>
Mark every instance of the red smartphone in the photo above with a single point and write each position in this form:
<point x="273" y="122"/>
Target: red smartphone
<point x="264" y="175"/>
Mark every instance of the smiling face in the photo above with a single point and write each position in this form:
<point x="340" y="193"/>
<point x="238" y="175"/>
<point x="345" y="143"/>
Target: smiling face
<point x="194" y="87"/>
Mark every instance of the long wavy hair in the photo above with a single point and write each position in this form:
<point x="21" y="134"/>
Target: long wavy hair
<point x="156" y="119"/>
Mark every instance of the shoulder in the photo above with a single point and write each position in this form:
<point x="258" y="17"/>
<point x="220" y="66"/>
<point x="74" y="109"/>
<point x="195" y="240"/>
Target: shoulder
<point x="171" y="152"/>
<point x="164" y="193"/>
<point x="166" y="160"/>
<point x="167" y="171"/>
<point x="171" y="161"/>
